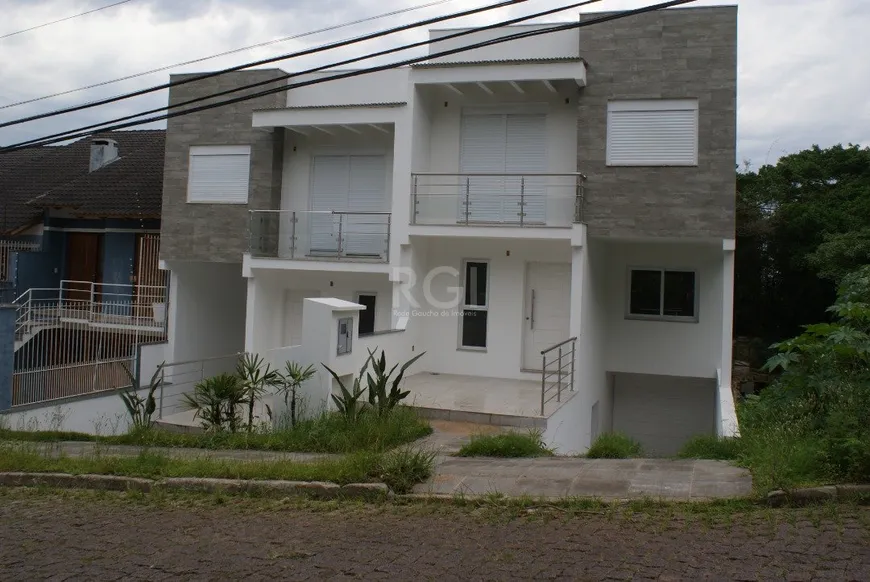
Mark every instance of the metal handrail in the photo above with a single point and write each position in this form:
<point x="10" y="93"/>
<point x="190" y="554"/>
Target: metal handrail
<point x="526" y="203"/>
<point x="505" y="174"/>
<point x="559" y="372"/>
<point x="329" y="235"/>
<point x="351" y="212"/>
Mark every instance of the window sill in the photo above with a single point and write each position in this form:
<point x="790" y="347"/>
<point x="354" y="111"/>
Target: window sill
<point x="471" y="349"/>
<point x="665" y="318"/>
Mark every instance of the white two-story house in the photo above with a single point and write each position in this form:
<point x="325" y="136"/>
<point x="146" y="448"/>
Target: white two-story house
<point x="550" y="219"/>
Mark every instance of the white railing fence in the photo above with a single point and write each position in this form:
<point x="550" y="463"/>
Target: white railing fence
<point x="78" y="338"/>
<point x="180" y="378"/>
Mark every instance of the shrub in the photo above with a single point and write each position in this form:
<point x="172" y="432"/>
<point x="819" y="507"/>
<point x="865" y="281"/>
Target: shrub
<point x="710" y="447"/>
<point x="614" y="445"/>
<point x="403" y="468"/>
<point x="508" y="444"/>
<point x="216" y="402"/>
<point x="813" y="424"/>
<point x="326" y="433"/>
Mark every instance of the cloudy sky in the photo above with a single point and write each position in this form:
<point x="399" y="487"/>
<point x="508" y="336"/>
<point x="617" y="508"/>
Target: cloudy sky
<point x="804" y="75"/>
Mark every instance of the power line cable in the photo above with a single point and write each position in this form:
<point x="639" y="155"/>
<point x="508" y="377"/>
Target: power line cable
<point x="7" y="35"/>
<point x="328" y="66"/>
<point x="313" y="50"/>
<point x="230" y="52"/>
<point x="283" y="88"/>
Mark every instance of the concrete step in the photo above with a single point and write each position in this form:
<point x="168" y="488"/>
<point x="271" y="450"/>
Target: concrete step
<point x="448" y="437"/>
<point x="482" y="418"/>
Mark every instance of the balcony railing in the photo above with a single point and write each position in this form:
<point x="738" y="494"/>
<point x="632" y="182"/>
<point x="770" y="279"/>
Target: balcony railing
<point x="319" y="235"/>
<point x="478" y="199"/>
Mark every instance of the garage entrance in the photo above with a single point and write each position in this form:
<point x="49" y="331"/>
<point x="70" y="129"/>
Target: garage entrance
<point x="663" y="412"/>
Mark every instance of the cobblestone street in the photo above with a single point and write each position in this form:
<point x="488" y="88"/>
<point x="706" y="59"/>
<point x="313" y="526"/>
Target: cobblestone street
<point x="69" y="537"/>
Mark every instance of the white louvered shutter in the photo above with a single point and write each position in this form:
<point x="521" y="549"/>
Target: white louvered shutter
<point x="329" y="191"/>
<point x="482" y="150"/>
<point x="652" y="133"/>
<point x="365" y="234"/>
<point x="219" y="174"/>
<point x="526" y="154"/>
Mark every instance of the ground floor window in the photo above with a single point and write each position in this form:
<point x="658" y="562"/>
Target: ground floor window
<point x="475" y="308"/>
<point x="662" y="294"/>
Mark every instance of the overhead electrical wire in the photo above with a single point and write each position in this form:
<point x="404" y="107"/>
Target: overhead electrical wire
<point x="8" y="34"/>
<point x="229" y="52"/>
<point x="305" y="52"/>
<point x="330" y="65"/>
<point x="527" y="34"/>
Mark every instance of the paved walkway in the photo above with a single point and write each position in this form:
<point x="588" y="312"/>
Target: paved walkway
<point x="45" y="537"/>
<point x="604" y="478"/>
<point x="554" y="477"/>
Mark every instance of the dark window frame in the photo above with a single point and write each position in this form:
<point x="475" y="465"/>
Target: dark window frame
<point x="661" y="316"/>
<point x="466" y="307"/>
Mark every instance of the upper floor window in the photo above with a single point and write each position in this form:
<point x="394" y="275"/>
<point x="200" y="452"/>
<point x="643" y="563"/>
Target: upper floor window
<point x="653" y="132"/>
<point x="662" y="294"/>
<point x="219" y="174"/>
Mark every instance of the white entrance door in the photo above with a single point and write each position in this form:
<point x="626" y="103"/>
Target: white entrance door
<point x="348" y="184"/>
<point x="511" y="148"/>
<point x="293" y="315"/>
<point x="547" y="311"/>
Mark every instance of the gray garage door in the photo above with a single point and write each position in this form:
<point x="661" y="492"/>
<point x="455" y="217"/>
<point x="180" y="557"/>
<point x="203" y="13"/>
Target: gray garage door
<point x="663" y="412"/>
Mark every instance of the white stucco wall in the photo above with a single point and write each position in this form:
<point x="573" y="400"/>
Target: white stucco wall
<point x="270" y="308"/>
<point x="565" y="43"/>
<point x="440" y="335"/>
<point x="664" y="347"/>
<point x="103" y="415"/>
<point x="388" y="86"/>
<point x="206" y="310"/>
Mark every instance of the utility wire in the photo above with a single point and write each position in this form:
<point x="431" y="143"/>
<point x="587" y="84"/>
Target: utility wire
<point x="7" y="35"/>
<point x="230" y="52"/>
<point x="283" y="88"/>
<point x="285" y="76"/>
<point x="249" y="65"/>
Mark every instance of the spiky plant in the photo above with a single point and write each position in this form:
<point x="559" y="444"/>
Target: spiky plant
<point x="290" y="381"/>
<point x="141" y="408"/>
<point x="379" y="398"/>
<point x="255" y="376"/>
<point x="216" y="402"/>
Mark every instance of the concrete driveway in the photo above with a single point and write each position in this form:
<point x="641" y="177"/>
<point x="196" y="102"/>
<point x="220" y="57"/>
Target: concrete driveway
<point x="559" y="477"/>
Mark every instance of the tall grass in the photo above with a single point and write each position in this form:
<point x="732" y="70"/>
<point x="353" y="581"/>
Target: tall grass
<point x="508" y="444"/>
<point x="614" y="445"/>
<point x="326" y="433"/>
<point x="711" y="447"/>
<point x="401" y="470"/>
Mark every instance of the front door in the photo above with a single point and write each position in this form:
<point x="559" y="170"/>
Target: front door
<point x="82" y="264"/>
<point x="547" y="310"/>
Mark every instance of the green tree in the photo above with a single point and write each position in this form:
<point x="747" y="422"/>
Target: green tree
<point x="801" y="225"/>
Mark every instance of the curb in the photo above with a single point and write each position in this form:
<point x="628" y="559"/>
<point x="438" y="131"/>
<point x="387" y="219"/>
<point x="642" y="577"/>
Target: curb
<point x="311" y="489"/>
<point x="811" y="495"/>
<point x="68" y="481"/>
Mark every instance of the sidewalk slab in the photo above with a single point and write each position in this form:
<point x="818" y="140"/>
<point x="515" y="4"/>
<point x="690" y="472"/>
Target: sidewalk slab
<point x="559" y="477"/>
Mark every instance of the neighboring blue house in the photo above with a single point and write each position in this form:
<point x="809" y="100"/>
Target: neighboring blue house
<point x="87" y="212"/>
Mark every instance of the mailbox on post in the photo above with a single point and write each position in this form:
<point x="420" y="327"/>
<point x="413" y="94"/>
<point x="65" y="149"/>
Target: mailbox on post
<point x="345" y="335"/>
